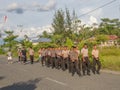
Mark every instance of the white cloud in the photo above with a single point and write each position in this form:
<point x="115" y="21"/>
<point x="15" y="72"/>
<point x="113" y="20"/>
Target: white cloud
<point x="48" y="6"/>
<point x="92" y="20"/>
<point x="51" y="4"/>
<point x="32" y="31"/>
<point x="13" y="6"/>
<point x="19" y="9"/>
<point x="35" y="4"/>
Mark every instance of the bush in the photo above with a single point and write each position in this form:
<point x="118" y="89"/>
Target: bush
<point x="69" y="43"/>
<point x="110" y="51"/>
<point x="110" y="58"/>
<point x="2" y="51"/>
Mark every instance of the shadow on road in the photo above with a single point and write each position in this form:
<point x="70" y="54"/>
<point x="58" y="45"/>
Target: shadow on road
<point x="1" y="77"/>
<point x="29" y="85"/>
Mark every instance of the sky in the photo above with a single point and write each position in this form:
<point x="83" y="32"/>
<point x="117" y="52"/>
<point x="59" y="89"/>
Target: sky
<point x="40" y="13"/>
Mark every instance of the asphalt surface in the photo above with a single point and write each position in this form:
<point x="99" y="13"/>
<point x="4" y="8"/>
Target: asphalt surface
<point x="17" y="76"/>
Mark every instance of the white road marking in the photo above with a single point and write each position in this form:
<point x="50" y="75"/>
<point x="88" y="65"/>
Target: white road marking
<point x="58" y="82"/>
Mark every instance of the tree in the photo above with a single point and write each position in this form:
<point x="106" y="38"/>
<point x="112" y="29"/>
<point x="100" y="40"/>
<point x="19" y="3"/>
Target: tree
<point x="58" y="22"/>
<point x="62" y="24"/>
<point x="58" y="39"/>
<point x="45" y="34"/>
<point x="109" y="26"/>
<point x="26" y="38"/>
<point x="69" y="43"/>
<point x="26" y="43"/>
<point x="68" y="24"/>
<point x="10" y="39"/>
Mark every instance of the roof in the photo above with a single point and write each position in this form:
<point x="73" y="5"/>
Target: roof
<point x="112" y="37"/>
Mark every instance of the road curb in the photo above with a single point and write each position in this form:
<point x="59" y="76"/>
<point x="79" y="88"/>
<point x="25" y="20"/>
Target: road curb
<point x="111" y="72"/>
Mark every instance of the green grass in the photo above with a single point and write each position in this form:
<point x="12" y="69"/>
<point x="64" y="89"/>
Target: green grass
<point x="110" y="58"/>
<point x="111" y="62"/>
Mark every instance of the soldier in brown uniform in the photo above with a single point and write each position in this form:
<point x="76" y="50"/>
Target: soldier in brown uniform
<point x="43" y="51"/>
<point x="85" y="60"/>
<point x="65" y="62"/>
<point x="31" y="53"/>
<point x="96" y="61"/>
<point x="57" y="55"/>
<point x="39" y="53"/>
<point x="74" y="62"/>
<point x="53" y="57"/>
<point x="19" y="54"/>
<point x="79" y="61"/>
<point x="24" y="55"/>
<point x="48" y="57"/>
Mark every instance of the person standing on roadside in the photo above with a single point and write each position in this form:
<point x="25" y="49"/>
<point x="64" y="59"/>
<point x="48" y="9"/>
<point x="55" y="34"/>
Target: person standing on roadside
<point x="31" y="54"/>
<point x="65" y="55"/>
<point x="96" y="61"/>
<point x="85" y="60"/>
<point x="39" y="52"/>
<point x="9" y="56"/>
<point x="74" y="61"/>
<point x="19" y="54"/>
<point x="24" y="55"/>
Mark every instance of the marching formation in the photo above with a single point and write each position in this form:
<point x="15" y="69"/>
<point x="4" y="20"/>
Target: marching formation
<point x="69" y="59"/>
<point x="73" y="60"/>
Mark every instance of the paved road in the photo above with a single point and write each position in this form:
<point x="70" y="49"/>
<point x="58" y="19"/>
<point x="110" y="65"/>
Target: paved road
<point x="17" y="76"/>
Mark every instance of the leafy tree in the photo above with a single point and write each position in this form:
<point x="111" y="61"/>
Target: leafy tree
<point x="58" y="22"/>
<point x="58" y="39"/>
<point x="26" y="37"/>
<point x="109" y="26"/>
<point x="45" y="34"/>
<point x="10" y="39"/>
<point x="69" y="43"/>
<point x="68" y="24"/>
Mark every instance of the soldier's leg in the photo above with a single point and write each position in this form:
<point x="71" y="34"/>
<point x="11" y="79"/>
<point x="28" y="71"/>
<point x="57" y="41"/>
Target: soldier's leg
<point x="30" y="59"/>
<point x="83" y="67"/>
<point x="72" y="68"/>
<point x="60" y="63"/>
<point x="56" y="59"/>
<point x="57" y="62"/>
<point x="49" y="61"/>
<point x="25" y="59"/>
<point x="88" y="66"/>
<point x="63" y="64"/>
<point x="79" y="65"/>
<point x="94" y="65"/>
<point x="43" y="61"/>
<point x="99" y="66"/>
<point x="52" y="62"/>
<point x="69" y="68"/>
<point x="77" y="68"/>
<point x="19" y="58"/>
<point x="46" y="62"/>
<point x="67" y="63"/>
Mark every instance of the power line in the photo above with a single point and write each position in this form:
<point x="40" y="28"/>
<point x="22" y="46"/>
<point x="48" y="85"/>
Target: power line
<point x="97" y="8"/>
